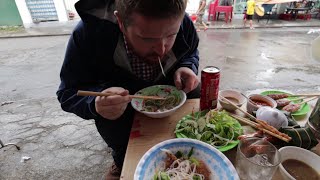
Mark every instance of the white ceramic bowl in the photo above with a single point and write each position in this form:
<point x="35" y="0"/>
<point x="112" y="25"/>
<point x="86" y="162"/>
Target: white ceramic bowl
<point x="217" y="163"/>
<point x="292" y="152"/>
<point x="252" y="107"/>
<point x="231" y="94"/>
<point x="162" y="91"/>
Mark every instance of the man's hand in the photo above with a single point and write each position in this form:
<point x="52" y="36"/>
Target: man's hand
<point x="186" y="79"/>
<point x="112" y="107"/>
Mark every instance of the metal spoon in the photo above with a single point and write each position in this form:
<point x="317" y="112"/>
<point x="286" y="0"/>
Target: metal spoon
<point x="249" y="99"/>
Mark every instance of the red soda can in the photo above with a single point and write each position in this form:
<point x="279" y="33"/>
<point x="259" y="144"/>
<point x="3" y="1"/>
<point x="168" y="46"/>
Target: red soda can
<point x="210" y="78"/>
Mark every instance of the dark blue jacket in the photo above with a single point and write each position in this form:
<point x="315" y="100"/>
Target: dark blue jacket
<point x="96" y="58"/>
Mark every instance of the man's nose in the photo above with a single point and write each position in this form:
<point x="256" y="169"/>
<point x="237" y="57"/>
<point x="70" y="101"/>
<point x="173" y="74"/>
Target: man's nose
<point x="160" y="47"/>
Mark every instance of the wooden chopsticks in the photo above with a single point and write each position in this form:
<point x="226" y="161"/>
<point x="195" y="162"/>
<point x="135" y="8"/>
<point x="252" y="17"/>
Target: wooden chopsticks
<point x="259" y="124"/>
<point x="274" y="132"/>
<point x="92" y="93"/>
<point x="235" y="106"/>
<point x="308" y="95"/>
<point x="307" y="100"/>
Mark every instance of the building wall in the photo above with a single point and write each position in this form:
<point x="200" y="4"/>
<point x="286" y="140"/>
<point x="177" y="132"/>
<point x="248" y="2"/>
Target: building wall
<point x="70" y="7"/>
<point x="24" y="13"/>
<point x="9" y="14"/>
<point x="193" y="6"/>
<point x="61" y="10"/>
<point x="26" y="16"/>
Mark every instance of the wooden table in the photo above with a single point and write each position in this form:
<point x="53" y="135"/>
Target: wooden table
<point x="146" y="132"/>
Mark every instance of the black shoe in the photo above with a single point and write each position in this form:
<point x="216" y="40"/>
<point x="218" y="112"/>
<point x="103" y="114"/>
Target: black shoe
<point x="113" y="173"/>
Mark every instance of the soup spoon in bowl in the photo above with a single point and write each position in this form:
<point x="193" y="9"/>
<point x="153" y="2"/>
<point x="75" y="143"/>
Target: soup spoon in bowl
<point x="248" y="99"/>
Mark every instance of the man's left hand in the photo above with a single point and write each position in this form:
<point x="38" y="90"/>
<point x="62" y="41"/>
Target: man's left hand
<point x="186" y="79"/>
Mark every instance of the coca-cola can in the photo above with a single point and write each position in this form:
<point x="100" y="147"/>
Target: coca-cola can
<point x="210" y="78"/>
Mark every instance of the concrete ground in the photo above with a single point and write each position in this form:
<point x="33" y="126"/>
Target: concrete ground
<point x="63" y="146"/>
<point x="60" y="145"/>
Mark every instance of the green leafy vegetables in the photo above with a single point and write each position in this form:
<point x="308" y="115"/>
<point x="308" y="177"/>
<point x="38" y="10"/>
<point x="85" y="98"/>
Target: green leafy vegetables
<point x="216" y="128"/>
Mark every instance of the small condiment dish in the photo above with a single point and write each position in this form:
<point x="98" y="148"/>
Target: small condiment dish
<point x="258" y="100"/>
<point x="299" y="154"/>
<point x="232" y="95"/>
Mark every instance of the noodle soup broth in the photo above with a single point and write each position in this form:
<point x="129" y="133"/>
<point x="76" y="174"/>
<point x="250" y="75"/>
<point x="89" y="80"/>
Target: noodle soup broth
<point x="174" y="99"/>
<point x="298" y="163"/>
<point x="300" y="170"/>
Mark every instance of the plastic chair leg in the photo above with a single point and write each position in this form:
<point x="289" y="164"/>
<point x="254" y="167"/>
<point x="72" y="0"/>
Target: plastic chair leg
<point x="227" y="17"/>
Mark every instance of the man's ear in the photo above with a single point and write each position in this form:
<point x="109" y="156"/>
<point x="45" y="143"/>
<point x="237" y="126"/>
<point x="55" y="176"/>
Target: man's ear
<point x="120" y="22"/>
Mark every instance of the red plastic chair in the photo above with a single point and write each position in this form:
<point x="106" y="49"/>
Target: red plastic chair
<point x="215" y="8"/>
<point x="212" y="12"/>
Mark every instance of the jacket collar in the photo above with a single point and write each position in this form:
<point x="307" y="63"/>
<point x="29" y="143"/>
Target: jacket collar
<point x="93" y="10"/>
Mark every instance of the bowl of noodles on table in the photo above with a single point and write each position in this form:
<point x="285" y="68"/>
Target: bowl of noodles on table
<point x="184" y="158"/>
<point x="174" y="99"/>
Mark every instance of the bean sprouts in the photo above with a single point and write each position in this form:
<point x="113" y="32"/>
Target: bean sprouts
<point x="183" y="168"/>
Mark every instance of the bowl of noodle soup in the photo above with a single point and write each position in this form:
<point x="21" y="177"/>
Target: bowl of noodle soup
<point x="174" y="99"/>
<point x="198" y="161"/>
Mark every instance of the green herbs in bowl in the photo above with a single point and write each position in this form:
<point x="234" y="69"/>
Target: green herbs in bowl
<point x="174" y="99"/>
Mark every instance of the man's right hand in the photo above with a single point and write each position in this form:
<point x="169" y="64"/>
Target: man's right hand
<point x="112" y="107"/>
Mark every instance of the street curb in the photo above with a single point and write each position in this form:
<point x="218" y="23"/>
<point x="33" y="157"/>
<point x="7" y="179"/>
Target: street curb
<point x="263" y="27"/>
<point x="8" y="36"/>
<point x="33" y="35"/>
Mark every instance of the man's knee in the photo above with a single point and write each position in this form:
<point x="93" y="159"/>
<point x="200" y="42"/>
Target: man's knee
<point x="116" y="132"/>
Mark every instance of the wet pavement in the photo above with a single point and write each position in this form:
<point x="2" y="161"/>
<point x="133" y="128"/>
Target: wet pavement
<point x="63" y="146"/>
<point x="266" y="58"/>
<point x="237" y="23"/>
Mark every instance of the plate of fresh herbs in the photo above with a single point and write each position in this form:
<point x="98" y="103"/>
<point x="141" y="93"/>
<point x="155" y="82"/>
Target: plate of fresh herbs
<point x="214" y="127"/>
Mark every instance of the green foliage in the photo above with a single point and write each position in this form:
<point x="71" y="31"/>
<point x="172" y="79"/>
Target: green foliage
<point x="10" y="29"/>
